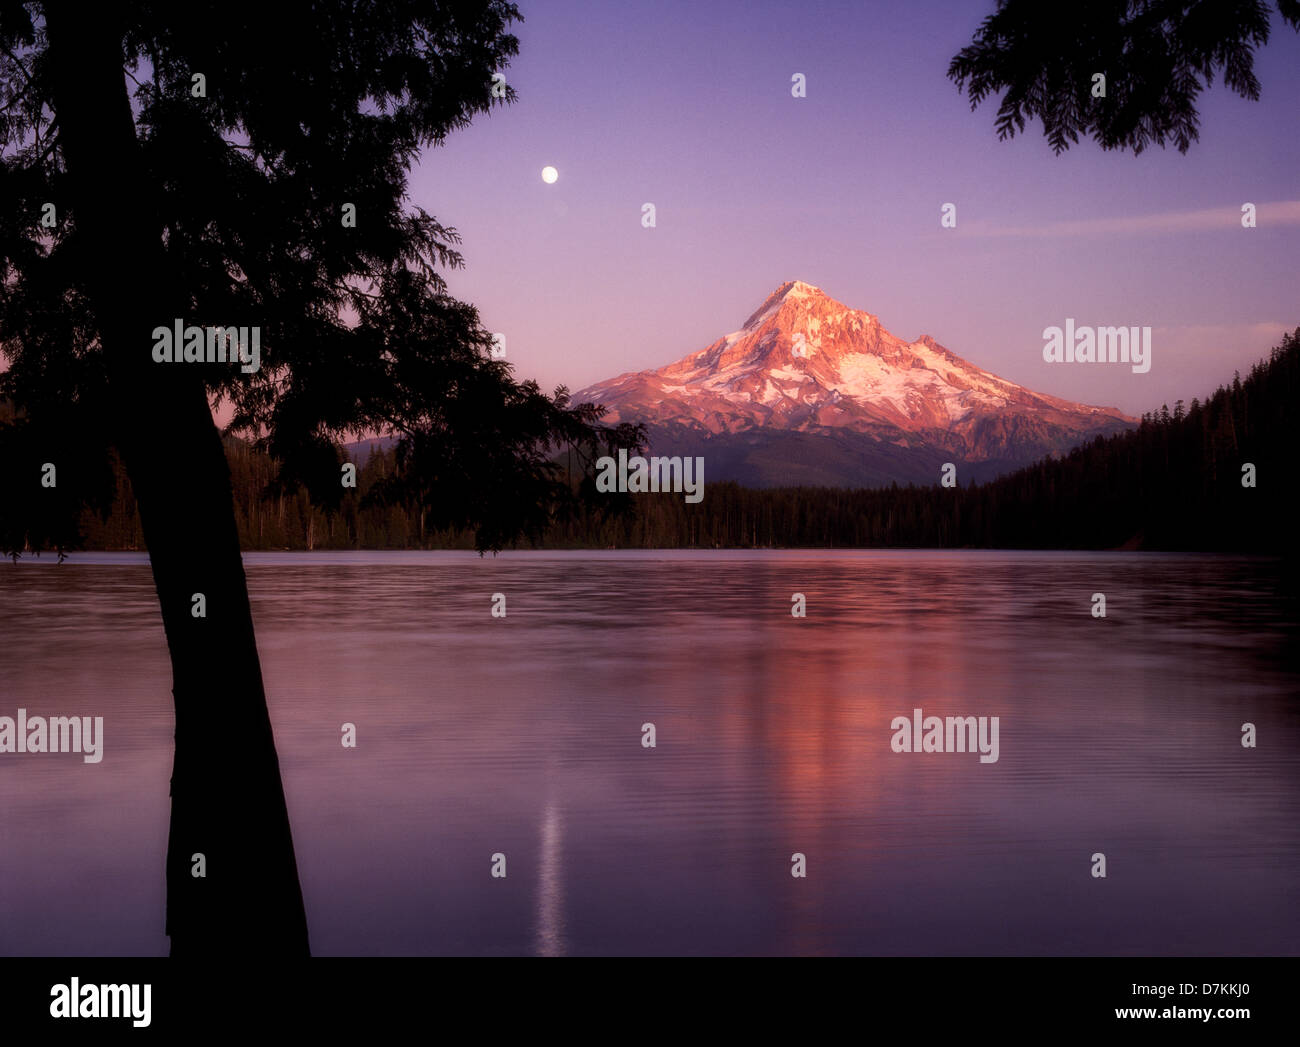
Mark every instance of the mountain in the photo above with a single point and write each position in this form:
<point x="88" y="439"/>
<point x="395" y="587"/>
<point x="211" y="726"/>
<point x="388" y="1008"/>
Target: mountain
<point x="812" y="392"/>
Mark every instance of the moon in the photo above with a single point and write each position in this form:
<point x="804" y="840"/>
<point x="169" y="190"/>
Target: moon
<point x="549" y="175"/>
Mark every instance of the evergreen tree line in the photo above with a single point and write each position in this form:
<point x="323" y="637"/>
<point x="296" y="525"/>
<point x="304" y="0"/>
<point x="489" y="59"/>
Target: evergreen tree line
<point x="1175" y="482"/>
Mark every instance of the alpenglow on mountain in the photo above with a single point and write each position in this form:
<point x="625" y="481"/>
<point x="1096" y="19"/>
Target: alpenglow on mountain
<point x="812" y="392"/>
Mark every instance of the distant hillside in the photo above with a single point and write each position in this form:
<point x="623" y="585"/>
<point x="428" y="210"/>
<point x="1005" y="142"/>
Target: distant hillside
<point x="359" y="451"/>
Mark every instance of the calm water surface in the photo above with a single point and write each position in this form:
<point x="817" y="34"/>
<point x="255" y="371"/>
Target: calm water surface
<point x="522" y="736"/>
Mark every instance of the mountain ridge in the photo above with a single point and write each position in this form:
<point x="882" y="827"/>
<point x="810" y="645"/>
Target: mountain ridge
<point x="883" y="408"/>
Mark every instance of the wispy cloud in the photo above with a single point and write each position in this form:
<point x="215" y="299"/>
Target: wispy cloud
<point x="1278" y="212"/>
<point x="1212" y="342"/>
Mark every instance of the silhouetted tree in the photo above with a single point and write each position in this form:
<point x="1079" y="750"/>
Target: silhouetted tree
<point x="198" y="158"/>
<point x="1156" y="56"/>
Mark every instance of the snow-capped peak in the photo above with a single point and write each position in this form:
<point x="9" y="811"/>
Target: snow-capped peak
<point x="798" y="289"/>
<point x="790" y="291"/>
<point x="804" y="361"/>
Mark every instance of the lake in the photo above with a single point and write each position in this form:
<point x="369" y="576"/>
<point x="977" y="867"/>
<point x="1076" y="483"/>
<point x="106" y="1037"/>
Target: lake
<point x="522" y="736"/>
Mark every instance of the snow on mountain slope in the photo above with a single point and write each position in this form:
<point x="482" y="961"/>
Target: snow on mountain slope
<point x="805" y="363"/>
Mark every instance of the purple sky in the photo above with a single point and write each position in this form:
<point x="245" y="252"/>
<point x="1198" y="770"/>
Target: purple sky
<point x="688" y="106"/>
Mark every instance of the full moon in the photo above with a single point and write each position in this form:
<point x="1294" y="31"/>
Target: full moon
<point x="549" y="175"/>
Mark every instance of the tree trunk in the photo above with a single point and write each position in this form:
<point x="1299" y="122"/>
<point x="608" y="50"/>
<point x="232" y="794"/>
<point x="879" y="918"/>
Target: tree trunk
<point x="227" y="800"/>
